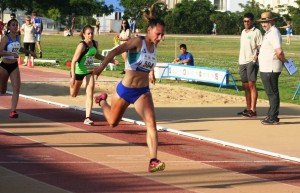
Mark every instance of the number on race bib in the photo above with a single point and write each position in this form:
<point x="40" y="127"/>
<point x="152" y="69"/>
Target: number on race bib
<point x="148" y="65"/>
<point x="15" y="50"/>
<point x="89" y="62"/>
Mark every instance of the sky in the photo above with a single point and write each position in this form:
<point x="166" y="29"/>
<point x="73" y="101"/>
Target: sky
<point x="115" y="3"/>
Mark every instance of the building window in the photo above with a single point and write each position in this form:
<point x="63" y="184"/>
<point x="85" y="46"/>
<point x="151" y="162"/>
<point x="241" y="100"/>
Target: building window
<point x="217" y="3"/>
<point x="50" y="26"/>
<point x="118" y="15"/>
<point x="221" y="4"/>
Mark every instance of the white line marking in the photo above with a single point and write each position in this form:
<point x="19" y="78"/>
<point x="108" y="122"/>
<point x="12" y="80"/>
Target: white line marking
<point x="130" y="163"/>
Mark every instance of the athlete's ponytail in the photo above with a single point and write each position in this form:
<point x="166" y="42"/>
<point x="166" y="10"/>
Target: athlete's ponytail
<point x="151" y="16"/>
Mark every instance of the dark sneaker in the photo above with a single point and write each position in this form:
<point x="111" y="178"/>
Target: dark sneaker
<point x="41" y="54"/>
<point x="267" y="118"/>
<point x="13" y="114"/>
<point x="270" y="121"/>
<point x="123" y="72"/>
<point x="242" y="112"/>
<point x="250" y="114"/>
<point x="156" y="165"/>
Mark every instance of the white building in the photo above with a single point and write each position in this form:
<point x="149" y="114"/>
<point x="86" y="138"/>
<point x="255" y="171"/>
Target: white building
<point x="228" y="5"/>
<point x="171" y="3"/>
<point x="233" y="5"/>
<point x="275" y="3"/>
<point x="110" y="23"/>
<point x="222" y="5"/>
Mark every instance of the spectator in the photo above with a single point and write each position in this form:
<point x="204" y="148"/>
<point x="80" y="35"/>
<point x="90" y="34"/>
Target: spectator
<point x="132" y="26"/>
<point x="214" y="30"/>
<point x="29" y="40"/>
<point x="97" y="26"/>
<point x="67" y="32"/>
<point x="251" y="39"/>
<point x="288" y="28"/>
<point x="37" y="21"/>
<point x="271" y="57"/>
<point x="185" y="57"/>
<point x="124" y="37"/>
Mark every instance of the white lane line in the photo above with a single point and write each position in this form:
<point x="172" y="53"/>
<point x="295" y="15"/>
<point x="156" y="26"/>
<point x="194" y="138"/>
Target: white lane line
<point x="130" y="163"/>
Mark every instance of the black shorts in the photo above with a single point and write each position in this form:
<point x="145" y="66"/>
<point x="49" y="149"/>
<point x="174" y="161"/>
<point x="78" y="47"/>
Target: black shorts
<point x="248" y="72"/>
<point x="9" y="67"/>
<point x="80" y="76"/>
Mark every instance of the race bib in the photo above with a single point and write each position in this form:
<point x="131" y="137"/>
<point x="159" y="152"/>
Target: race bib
<point x="89" y="62"/>
<point x="148" y="63"/>
<point x="14" y="47"/>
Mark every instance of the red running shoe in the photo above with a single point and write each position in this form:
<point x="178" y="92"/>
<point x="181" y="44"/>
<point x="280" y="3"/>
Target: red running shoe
<point x="156" y="165"/>
<point x="13" y="114"/>
<point x="101" y="97"/>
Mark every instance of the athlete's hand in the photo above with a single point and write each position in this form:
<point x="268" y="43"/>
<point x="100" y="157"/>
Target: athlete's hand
<point x="97" y="71"/>
<point x="72" y="81"/>
<point x="152" y="79"/>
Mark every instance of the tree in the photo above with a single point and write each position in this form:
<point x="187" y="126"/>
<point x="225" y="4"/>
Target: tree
<point x="253" y="7"/>
<point x="257" y="9"/>
<point x="134" y="8"/>
<point x="65" y="7"/>
<point x="294" y="14"/>
<point x="190" y="17"/>
<point x="227" y="22"/>
<point x="60" y="11"/>
<point x="3" y="6"/>
<point x="88" y="7"/>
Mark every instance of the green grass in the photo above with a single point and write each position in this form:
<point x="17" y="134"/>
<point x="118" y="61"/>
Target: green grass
<point x="209" y="51"/>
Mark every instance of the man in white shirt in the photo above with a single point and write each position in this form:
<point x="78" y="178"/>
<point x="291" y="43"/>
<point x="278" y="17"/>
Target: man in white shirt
<point x="251" y="40"/>
<point x="271" y="57"/>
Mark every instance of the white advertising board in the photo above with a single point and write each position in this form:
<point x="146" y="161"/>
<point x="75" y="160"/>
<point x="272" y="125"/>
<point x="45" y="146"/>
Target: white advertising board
<point x="201" y="74"/>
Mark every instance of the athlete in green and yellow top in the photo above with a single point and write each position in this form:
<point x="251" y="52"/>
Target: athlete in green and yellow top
<point x="82" y="66"/>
